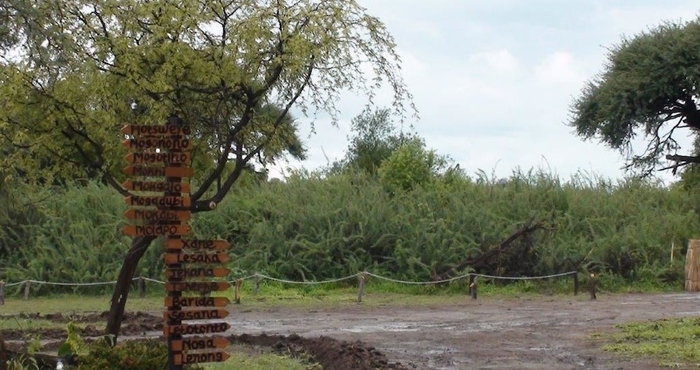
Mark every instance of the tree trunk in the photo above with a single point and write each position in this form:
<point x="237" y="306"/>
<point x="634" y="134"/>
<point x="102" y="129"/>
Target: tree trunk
<point x="121" y="289"/>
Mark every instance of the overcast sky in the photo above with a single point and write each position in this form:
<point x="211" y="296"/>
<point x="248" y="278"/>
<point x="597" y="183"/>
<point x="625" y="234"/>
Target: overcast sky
<point x="493" y="79"/>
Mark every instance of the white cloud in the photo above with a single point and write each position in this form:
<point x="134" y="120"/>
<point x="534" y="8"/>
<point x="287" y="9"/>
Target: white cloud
<point x="559" y="68"/>
<point x="494" y="83"/>
<point x="499" y="61"/>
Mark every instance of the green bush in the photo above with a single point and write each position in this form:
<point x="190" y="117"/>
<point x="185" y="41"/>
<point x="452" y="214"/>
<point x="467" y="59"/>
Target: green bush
<point x="127" y="355"/>
<point x="318" y="226"/>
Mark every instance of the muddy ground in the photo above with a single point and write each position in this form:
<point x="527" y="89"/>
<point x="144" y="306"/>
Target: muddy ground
<point x="538" y="332"/>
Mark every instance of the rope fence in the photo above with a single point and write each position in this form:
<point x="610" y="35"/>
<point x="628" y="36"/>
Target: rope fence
<point x="258" y="277"/>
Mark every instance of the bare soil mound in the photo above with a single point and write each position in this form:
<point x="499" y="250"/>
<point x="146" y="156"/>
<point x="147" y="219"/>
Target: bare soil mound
<point x="330" y="353"/>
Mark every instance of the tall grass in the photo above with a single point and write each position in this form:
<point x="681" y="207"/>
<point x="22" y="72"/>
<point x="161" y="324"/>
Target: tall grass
<point x="319" y="227"/>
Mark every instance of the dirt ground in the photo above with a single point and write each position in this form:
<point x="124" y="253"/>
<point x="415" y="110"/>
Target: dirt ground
<point x="529" y="333"/>
<point x="539" y="332"/>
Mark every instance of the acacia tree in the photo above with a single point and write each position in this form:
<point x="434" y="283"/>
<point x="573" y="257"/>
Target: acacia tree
<point x="650" y="86"/>
<point x="85" y="68"/>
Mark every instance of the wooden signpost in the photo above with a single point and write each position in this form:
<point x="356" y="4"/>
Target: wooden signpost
<point x="161" y="207"/>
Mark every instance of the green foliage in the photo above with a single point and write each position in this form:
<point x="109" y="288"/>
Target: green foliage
<point x="673" y="342"/>
<point x="231" y="70"/>
<point x="410" y="166"/>
<point x="23" y="362"/>
<point x="74" y="345"/>
<point x="129" y="355"/>
<point x="375" y="138"/>
<point x="650" y="86"/>
<point x="316" y="226"/>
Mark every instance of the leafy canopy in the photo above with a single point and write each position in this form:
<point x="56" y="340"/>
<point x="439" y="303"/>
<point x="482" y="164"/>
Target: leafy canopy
<point x="232" y="70"/>
<point x="650" y="86"/>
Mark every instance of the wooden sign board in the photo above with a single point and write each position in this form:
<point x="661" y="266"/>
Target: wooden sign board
<point x="197" y="272"/>
<point x="189" y="329"/>
<point x="197" y="358"/>
<point x="152" y="157"/>
<point x="170" y="144"/>
<point x="199" y="343"/>
<point x="176" y="258"/>
<point x="195" y="314"/>
<point x="156" y="130"/>
<point x="157" y="215"/>
<point x="197" y="301"/>
<point x="158" y="201"/>
<point x="155" y="186"/>
<point x="196" y="286"/>
<point x="192" y="244"/>
<point x="156" y="230"/>
<point x="158" y="171"/>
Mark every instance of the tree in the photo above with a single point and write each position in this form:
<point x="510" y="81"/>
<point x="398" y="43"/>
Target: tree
<point x="91" y="66"/>
<point x="411" y="165"/>
<point x="375" y="138"/>
<point x="650" y="86"/>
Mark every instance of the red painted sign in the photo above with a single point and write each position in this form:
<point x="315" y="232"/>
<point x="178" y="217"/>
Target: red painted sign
<point x="159" y="187"/>
<point x="158" y="143"/>
<point x="197" y="301"/>
<point x="195" y="314"/>
<point x="156" y="130"/>
<point x="156" y="230"/>
<point x="176" y="258"/>
<point x="192" y="244"/>
<point x="158" y="171"/>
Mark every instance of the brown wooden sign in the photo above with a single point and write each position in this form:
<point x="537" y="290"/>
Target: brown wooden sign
<point x="157" y="215"/>
<point x="171" y="144"/>
<point x="192" y="244"/>
<point x="175" y="258"/>
<point x="158" y="171"/>
<point x="197" y="272"/>
<point x="156" y="130"/>
<point x="197" y="286"/>
<point x="156" y="230"/>
<point x="197" y="301"/>
<point x="196" y="358"/>
<point x="195" y="314"/>
<point x="152" y="157"/>
<point x="200" y="343"/>
<point x="155" y="186"/>
<point x="189" y="329"/>
<point x="158" y="201"/>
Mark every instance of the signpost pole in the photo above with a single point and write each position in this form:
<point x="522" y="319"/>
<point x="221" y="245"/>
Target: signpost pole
<point x="168" y="215"/>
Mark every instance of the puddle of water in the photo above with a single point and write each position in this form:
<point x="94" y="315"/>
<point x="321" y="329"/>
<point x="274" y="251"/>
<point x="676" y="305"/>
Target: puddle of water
<point x="374" y="328"/>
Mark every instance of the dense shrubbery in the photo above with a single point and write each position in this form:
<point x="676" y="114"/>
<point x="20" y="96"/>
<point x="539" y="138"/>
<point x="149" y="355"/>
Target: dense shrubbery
<point x="316" y="227"/>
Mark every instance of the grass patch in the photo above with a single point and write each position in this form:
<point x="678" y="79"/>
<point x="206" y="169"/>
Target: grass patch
<point x="17" y="323"/>
<point x="244" y="358"/>
<point x="673" y="342"/>
<point x="69" y="304"/>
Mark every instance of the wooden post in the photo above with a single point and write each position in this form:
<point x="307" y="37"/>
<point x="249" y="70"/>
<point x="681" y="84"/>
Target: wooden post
<point x="26" y="290"/>
<point x="592" y="285"/>
<point x="256" y="284"/>
<point x="692" y="266"/>
<point x="142" y="287"/>
<point x="361" y="286"/>
<point x="237" y="292"/>
<point x="473" y="286"/>
<point x="2" y="292"/>
<point x="575" y="275"/>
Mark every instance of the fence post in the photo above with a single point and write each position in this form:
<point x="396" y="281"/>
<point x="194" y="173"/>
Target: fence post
<point x="361" y="287"/>
<point x="575" y="282"/>
<point x="26" y="290"/>
<point x="2" y="292"/>
<point x="473" y="286"/>
<point x="237" y="292"/>
<point x="256" y="284"/>
<point x="142" y="287"/>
